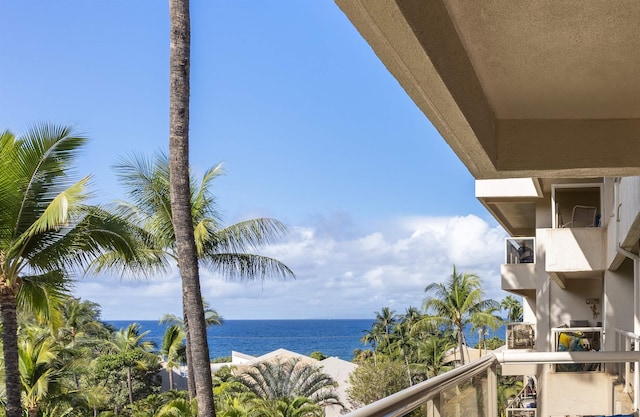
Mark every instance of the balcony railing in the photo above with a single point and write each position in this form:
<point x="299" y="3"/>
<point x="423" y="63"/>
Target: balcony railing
<point x="471" y="390"/>
<point x="520" y="250"/>
<point x="577" y="339"/>
<point x="521" y="335"/>
<point x="628" y="342"/>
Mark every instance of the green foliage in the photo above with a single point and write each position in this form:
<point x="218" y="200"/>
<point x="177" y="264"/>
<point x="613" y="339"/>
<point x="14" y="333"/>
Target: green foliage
<point x="221" y="359"/>
<point x="457" y="303"/>
<point x="291" y="378"/>
<point x="508" y="387"/>
<point x="48" y="232"/>
<point x="173" y="349"/>
<point x="179" y="408"/>
<point x="211" y="317"/>
<point x="223" y="249"/>
<point x="432" y="351"/>
<point x="513" y="307"/>
<point x="286" y="407"/>
<point x="317" y="355"/>
<point x="362" y="355"/>
<point x="112" y="371"/>
<point x="371" y="382"/>
<point x="494" y="343"/>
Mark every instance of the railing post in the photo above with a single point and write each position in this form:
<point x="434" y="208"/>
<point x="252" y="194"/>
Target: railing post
<point x="627" y="367"/>
<point x="437" y="412"/>
<point x="636" y="376"/>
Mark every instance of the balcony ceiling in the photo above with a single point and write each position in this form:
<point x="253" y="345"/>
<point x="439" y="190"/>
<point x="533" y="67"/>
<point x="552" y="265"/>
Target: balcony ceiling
<point x="518" y="89"/>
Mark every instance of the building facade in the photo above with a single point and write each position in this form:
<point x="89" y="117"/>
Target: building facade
<point x="541" y="102"/>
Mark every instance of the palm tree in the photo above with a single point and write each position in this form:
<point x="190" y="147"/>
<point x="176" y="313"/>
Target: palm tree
<point x="126" y="341"/>
<point x="482" y="320"/>
<point x="289" y="379"/>
<point x="179" y="407"/>
<point x="171" y="349"/>
<point x="404" y="341"/>
<point x="513" y="307"/>
<point x="193" y="311"/>
<point x="38" y="374"/>
<point x="455" y="302"/>
<point x="47" y="231"/>
<point x="223" y="249"/>
<point x="211" y="317"/>
<point x="372" y="337"/>
<point x="385" y="320"/>
<point x="432" y="352"/>
<point x="80" y="319"/>
<point x="286" y="407"/>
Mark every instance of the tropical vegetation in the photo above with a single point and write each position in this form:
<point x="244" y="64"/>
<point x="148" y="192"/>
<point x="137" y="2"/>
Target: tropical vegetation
<point x="406" y="348"/>
<point x="48" y="234"/>
<point x="60" y="359"/>
<point x="85" y="367"/>
<point x="457" y="303"/>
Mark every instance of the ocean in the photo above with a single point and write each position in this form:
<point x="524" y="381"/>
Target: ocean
<point x="257" y="337"/>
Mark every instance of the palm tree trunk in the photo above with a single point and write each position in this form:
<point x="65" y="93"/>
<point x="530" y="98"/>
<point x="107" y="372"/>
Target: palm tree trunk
<point x="461" y="346"/>
<point x="129" y="387"/>
<point x="10" y="347"/>
<point x="191" y="385"/>
<point x="406" y="362"/>
<point x="179" y="57"/>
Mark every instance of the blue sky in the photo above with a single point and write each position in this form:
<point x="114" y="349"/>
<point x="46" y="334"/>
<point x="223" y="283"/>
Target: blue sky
<point x="311" y="129"/>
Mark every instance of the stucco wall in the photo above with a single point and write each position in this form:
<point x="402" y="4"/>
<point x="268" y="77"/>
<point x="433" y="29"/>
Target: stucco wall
<point x="575" y="394"/>
<point x="618" y="301"/>
<point x="570" y="303"/>
<point x="574" y="250"/>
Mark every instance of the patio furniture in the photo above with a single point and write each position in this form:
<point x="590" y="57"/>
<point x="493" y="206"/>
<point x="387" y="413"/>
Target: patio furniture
<point x="582" y="216"/>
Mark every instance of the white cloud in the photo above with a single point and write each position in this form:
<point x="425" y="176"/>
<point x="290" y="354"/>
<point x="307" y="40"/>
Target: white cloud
<point x="336" y="276"/>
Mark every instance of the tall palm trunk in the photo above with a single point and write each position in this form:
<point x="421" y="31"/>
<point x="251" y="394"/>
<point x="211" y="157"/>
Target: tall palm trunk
<point x="179" y="58"/>
<point x="461" y="346"/>
<point x="191" y="385"/>
<point x="10" y="350"/>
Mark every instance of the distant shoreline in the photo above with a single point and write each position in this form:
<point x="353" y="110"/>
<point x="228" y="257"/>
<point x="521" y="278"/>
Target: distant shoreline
<point x="226" y="319"/>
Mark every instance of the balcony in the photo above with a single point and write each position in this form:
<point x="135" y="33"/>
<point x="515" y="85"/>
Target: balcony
<point x="519" y="270"/>
<point x="574" y="252"/>
<point x="577" y="339"/>
<point x="471" y="390"/>
<point x="521" y="336"/>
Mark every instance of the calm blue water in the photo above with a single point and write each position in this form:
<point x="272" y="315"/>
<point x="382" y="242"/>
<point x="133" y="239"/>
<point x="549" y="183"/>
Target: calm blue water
<point x="257" y="337"/>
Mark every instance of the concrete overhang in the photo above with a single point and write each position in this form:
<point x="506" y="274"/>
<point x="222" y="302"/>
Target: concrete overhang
<point x="534" y="89"/>
<point x="512" y="202"/>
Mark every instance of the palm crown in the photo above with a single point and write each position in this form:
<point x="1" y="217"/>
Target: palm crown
<point x="220" y="248"/>
<point x="48" y="231"/>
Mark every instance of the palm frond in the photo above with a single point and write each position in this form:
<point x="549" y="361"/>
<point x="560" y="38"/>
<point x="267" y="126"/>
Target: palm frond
<point x="248" y="234"/>
<point x="242" y="266"/>
<point x="57" y="212"/>
<point x="43" y="295"/>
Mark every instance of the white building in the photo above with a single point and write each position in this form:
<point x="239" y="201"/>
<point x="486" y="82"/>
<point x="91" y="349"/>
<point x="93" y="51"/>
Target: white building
<point x="541" y="102"/>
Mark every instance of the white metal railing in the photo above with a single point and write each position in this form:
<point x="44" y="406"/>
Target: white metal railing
<point x="521" y="335"/>
<point x="525" y="403"/>
<point x="443" y="395"/>
<point x="435" y="393"/>
<point x="520" y="250"/>
<point x="522" y="412"/>
<point x="577" y="339"/>
<point x="628" y="342"/>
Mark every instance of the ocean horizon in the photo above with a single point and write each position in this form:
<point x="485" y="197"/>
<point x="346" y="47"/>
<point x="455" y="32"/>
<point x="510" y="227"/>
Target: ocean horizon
<point x="332" y="337"/>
